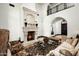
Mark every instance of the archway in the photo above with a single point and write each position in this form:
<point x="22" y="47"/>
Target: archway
<point x="59" y="26"/>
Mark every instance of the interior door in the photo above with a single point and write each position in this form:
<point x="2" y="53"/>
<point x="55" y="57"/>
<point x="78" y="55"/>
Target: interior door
<point x="63" y="28"/>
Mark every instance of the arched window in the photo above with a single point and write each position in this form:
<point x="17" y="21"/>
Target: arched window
<point x="56" y="7"/>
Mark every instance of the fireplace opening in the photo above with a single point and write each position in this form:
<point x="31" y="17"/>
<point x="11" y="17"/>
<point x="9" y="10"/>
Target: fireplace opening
<point x="31" y="35"/>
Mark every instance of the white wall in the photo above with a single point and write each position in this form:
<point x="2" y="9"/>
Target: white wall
<point x="15" y="22"/>
<point x="72" y="17"/>
<point x="4" y="15"/>
<point x="40" y="8"/>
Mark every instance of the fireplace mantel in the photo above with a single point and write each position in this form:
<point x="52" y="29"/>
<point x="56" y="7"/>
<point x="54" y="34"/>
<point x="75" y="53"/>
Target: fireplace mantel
<point x="30" y="28"/>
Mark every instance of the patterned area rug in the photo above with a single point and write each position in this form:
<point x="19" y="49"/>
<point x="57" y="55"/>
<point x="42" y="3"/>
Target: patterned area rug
<point x="40" y="48"/>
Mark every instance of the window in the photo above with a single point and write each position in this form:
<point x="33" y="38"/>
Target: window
<point x="53" y="8"/>
<point x="61" y="7"/>
<point x="70" y="5"/>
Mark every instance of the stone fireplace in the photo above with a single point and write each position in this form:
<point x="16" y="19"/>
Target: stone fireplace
<point x="30" y="32"/>
<point x="30" y="28"/>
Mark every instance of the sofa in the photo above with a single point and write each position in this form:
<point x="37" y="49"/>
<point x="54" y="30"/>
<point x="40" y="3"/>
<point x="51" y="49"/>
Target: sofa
<point x="70" y="47"/>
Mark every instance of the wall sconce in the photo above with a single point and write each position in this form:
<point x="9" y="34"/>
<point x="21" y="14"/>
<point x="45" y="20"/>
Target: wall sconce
<point x="25" y="24"/>
<point x="36" y="25"/>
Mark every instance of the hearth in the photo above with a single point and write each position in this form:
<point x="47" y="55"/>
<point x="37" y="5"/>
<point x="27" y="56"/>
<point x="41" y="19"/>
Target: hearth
<point x="31" y="35"/>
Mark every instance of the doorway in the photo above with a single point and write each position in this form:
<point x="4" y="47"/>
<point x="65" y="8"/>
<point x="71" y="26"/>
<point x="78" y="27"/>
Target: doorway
<point x="63" y="28"/>
<point x="59" y="26"/>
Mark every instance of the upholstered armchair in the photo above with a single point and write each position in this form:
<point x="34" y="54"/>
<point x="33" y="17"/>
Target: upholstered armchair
<point x="4" y="38"/>
<point x="15" y="47"/>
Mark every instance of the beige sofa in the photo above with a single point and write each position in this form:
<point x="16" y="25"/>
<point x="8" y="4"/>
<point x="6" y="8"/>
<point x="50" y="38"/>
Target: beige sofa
<point x="70" y="47"/>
